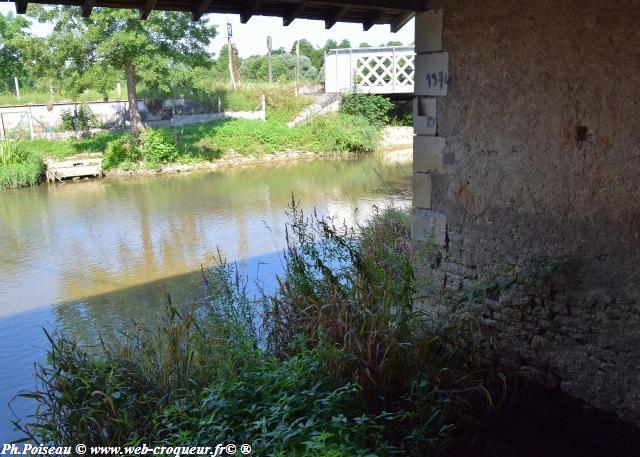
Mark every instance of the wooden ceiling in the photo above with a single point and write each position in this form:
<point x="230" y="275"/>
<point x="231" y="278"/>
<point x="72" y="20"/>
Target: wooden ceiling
<point x="366" y="12"/>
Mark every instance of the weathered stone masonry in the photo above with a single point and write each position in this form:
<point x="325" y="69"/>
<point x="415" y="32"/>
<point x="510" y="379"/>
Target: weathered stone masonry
<point x="536" y="152"/>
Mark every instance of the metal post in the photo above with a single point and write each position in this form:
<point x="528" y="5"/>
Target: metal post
<point x="231" y="75"/>
<point x="264" y="108"/>
<point x="30" y="121"/>
<point x="269" y="47"/>
<point x="394" y="70"/>
<point x="4" y="135"/>
<point x="15" y="79"/>
<point x="297" y="65"/>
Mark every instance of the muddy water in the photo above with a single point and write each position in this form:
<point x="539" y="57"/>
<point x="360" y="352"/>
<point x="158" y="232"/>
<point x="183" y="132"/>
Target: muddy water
<point x="96" y="255"/>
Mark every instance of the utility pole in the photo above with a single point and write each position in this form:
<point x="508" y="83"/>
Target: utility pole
<point x="269" y="47"/>
<point x="15" y="79"/>
<point x="297" y="65"/>
<point x="230" y="49"/>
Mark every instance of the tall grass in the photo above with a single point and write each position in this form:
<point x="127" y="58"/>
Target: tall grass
<point x="344" y="363"/>
<point x="19" y="165"/>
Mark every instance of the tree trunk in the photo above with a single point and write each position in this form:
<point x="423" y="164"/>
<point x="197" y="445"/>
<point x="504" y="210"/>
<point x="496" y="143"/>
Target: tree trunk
<point x="134" y="114"/>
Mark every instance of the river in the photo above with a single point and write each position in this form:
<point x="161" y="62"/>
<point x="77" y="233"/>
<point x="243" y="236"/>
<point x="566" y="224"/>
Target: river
<point x="96" y="255"/>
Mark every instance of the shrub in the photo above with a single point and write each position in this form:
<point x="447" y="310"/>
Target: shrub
<point x="158" y="146"/>
<point x="374" y="108"/>
<point x="344" y="133"/>
<point x="82" y="119"/>
<point x="350" y="366"/>
<point x="19" y="166"/>
<point x="124" y="149"/>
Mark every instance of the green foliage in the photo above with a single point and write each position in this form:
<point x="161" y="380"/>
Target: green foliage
<point x="119" y="151"/>
<point x="350" y="365"/>
<point x="375" y="108"/>
<point x="82" y="118"/>
<point x="91" y="53"/>
<point x="158" y="146"/>
<point x="12" y="28"/>
<point x="344" y="133"/>
<point x="19" y="166"/>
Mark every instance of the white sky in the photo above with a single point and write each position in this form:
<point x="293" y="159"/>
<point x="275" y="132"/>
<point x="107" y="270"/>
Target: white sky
<point x="251" y="38"/>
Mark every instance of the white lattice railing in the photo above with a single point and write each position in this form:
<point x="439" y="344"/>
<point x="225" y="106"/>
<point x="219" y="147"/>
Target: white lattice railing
<point x="385" y="70"/>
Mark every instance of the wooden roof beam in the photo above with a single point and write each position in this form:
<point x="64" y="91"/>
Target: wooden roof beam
<point x="372" y="20"/>
<point x="21" y="6"/>
<point x="199" y="8"/>
<point x="146" y="8"/>
<point x="249" y="10"/>
<point x="328" y="23"/>
<point x="293" y="14"/>
<point x="87" y="7"/>
<point x="401" y="21"/>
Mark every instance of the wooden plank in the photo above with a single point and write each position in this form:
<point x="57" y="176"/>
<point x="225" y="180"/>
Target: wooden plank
<point x="199" y="8"/>
<point x="373" y="19"/>
<point x="76" y="172"/>
<point x="21" y="6"/>
<point x="401" y="21"/>
<point x="249" y="10"/>
<point x="87" y="8"/>
<point x="293" y="14"/>
<point x="146" y="8"/>
<point x="336" y="17"/>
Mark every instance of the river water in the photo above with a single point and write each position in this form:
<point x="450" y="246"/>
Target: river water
<point x="96" y="255"/>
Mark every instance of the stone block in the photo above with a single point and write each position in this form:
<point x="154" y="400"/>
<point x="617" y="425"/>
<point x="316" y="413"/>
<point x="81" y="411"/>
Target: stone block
<point x="428" y="154"/>
<point x="432" y="74"/>
<point x="428" y="225"/>
<point x="424" y="116"/>
<point x="422" y="190"/>
<point x="428" y="31"/>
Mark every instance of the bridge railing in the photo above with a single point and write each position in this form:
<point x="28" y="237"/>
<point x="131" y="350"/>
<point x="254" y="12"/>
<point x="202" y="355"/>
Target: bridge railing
<point x="382" y="70"/>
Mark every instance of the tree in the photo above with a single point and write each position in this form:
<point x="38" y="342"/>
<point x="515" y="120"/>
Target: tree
<point x="316" y="56"/>
<point x="344" y="44"/>
<point x="394" y="43"/>
<point x="364" y="44"/>
<point x="12" y="28"/>
<point x="116" y="39"/>
<point x="330" y="44"/>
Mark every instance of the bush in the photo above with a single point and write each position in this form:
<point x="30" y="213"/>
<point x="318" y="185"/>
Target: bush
<point x="19" y="166"/>
<point x="374" y="108"/>
<point x="350" y="364"/>
<point x="119" y="151"/>
<point x="344" y="133"/>
<point x="82" y="119"/>
<point x="158" y="146"/>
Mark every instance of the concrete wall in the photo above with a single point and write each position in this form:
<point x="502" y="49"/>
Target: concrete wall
<point x="46" y="119"/>
<point x="536" y="152"/>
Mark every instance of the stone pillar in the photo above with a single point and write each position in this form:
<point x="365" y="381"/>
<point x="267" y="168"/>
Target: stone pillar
<point x="431" y="81"/>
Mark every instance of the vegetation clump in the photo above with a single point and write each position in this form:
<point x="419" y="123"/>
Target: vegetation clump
<point x="375" y="108"/>
<point x="157" y="146"/>
<point x="81" y="119"/>
<point x="339" y="361"/>
<point x="120" y="151"/>
<point x="19" y="165"/>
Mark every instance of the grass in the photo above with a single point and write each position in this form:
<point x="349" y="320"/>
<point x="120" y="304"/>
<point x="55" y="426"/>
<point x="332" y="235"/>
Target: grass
<point x="344" y="364"/>
<point x="20" y="165"/>
<point x="246" y="99"/>
<point x="212" y="141"/>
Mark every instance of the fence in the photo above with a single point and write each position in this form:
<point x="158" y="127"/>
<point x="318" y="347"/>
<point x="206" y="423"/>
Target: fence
<point x="383" y="70"/>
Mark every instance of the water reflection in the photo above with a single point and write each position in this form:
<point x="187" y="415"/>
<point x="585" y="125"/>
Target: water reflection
<point x="99" y="254"/>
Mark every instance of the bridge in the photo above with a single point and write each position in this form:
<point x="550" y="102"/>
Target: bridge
<point x="382" y="70"/>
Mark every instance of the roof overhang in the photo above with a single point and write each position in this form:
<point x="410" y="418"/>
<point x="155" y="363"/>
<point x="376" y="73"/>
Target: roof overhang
<point x="365" y="12"/>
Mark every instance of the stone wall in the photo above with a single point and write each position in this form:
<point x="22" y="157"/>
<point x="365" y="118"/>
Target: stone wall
<point x="537" y="155"/>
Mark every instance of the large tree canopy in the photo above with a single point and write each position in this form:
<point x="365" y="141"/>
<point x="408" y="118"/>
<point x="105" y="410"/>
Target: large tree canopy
<point x="86" y="52"/>
<point x="12" y="28"/>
